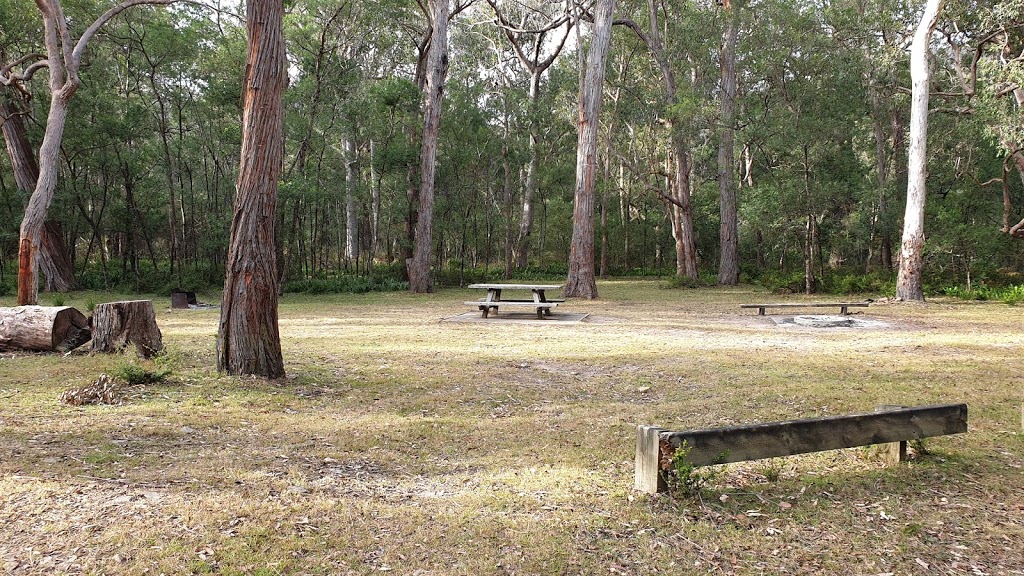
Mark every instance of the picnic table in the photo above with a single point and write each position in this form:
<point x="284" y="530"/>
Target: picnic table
<point x="539" y="300"/>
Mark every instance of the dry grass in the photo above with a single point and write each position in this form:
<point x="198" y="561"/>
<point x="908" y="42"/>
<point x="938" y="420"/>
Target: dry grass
<point x="400" y="443"/>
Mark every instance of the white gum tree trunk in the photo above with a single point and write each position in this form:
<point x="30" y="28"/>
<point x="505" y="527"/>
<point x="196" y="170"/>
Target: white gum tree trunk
<point x="909" y="285"/>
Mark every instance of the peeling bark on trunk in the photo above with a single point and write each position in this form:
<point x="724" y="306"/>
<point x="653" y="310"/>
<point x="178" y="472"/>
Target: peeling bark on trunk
<point x="54" y="262"/>
<point x="248" y="340"/>
<point x="420" y="278"/>
<point x="909" y="283"/>
<point x="63" y="60"/>
<point x="581" y="281"/>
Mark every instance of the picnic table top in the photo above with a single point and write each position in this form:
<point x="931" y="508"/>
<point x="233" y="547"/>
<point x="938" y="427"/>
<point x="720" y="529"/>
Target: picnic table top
<point x="517" y="286"/>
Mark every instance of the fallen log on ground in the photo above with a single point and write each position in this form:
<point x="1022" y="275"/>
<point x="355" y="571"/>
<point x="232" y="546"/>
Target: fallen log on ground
<point x="115" y="325"/>
<point x="43" y="328"/>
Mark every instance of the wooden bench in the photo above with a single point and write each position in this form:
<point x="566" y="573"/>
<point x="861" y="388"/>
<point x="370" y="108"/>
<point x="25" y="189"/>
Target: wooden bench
<point x="543" y="308"/>
<point x="655" y="447"/>
<point x="843" y="306"/>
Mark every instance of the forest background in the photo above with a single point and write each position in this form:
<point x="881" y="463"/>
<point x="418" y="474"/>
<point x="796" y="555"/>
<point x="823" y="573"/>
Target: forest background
<point x="813" y="142"/>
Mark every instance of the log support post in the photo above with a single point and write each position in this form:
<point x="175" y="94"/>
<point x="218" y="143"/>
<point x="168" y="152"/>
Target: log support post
<point x="647" y="476"/>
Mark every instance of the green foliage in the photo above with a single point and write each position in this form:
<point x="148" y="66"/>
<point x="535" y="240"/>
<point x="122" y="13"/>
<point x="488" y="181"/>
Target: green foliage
<point x="686" y="282"/>
<point x="135" y="374"/>
<point x="859" y="283"/>
<point x="1011" y="295"/>
<point x="687" y="479"/>
<point x="346" y="284"/>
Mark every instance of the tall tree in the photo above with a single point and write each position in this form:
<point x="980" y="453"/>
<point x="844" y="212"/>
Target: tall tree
<point x="59" y="276"/>
<point x="909" y="283"/>
<point x="530" y="46"/>
<point x="729" y="261"/>
<point x="63" y="59"/>
<point x="582" y="281"/>
<point x="677" y="200"/>
<point x="420" y="279"/>
<point x="248" y="341"/>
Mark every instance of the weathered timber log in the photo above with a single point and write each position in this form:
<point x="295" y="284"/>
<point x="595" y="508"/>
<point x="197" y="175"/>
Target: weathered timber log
<point x="656" y="447"/>
<point x="115" y="325"/>
<point x="43" y="328"/>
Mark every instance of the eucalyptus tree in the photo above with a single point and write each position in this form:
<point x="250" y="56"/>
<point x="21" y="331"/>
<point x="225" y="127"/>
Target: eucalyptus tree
<point x="803" y="100"/>
<point x="728" y="263"/>
<point x="248" y="339"/>
<point x="679" y="107"/>
<point x="63" y="60"/>
<point x="581" y="281"/>
<point x="910" y="283"/>
<point x="537" y="31"/>
<point x="436" y="68"/>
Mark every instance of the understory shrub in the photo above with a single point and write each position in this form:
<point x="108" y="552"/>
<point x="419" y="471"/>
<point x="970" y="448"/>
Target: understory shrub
<point x="346" y="284"/>
<point x="1009" y="294"/>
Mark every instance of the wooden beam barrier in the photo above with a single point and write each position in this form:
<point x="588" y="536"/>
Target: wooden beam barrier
<point x="656" y="447"/>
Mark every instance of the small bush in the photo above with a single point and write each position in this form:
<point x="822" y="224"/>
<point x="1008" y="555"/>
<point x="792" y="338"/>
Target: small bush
<point x="346" y="285"/>
<point x="136" y="375"/>
<point x="1009" y="294"/>
<point x="684" y="282"/>
<point x="685" y="478"/>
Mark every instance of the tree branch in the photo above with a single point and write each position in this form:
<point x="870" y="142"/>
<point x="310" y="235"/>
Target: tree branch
<point x="7" y="78"/>
<point x="76" y="54"/>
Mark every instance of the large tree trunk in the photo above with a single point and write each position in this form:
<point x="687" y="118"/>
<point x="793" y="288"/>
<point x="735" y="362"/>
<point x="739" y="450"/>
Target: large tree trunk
<point x="532" y="176"/>
<point x="34" y="221"/>
<point x="351" y="222"/>
<point x="581" y="281"/>
<point x="729" y="262"/>
<point x="248" y="341"/>
<point x="117" y="325"/>
<point x="682" y="214"/>
<point x="43" y="328"/>
<point x="374" y="208"/>
<point x="420" y="279"/>
<point x="58" y="273"/>
<point x="909" y="283"/>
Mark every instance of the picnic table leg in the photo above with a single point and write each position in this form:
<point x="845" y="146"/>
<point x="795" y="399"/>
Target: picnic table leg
<point x="539" y="297"/>
<point x="844" y="310"/>
<point x="760" y="311"/>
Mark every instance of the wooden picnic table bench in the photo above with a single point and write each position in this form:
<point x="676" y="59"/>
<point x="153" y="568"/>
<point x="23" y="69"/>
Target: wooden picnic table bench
<point x="843" y="306"/>
<point x="540" y="302"/>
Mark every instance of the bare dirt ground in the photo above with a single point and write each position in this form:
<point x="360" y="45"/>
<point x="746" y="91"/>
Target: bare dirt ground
<point x="402" y="443"/>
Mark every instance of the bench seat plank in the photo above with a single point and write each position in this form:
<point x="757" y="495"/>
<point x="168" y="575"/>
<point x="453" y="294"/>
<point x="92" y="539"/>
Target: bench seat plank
<point x="843" y="306"/>
<point x="521" y="303"/>
<point x="808" y="305"/>
<point x="740" y="443"/>
<point x="655" y="448"/>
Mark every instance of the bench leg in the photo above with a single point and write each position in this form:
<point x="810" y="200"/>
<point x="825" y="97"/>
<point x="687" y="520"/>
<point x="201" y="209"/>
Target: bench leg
<point x="760" y="311"/>
<point x="894" y="452"/>
<point x="540" y="313"/>
<point x="844" y="310"/>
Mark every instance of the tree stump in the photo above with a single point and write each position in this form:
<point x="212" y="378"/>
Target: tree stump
<point x="115" y="325"/>
<point x="43" y="328"/>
